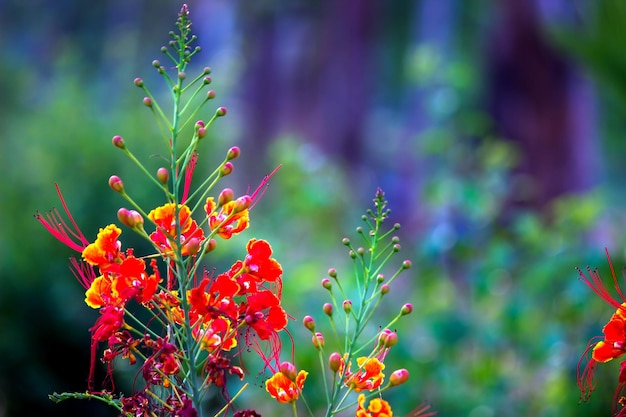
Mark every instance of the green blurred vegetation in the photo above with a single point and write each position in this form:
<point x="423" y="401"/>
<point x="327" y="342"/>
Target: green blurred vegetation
<point x="500" y="316"/>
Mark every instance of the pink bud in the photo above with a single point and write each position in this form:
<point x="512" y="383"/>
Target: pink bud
<point x="334" y="361"/>
<point x="226" y="169"/>
<point x="328" y="309"/>
<point x="318" y="340"/>
<point x="327" y="284"/>
<point x="116" y="183"/>
<point x="289" y="370"/>
<point x="163" y="175"/>
<point x="225" y="196"/>
<point x="207" y="80"/>
<point x="221" y="111"/>
<point x="332" y="272"/>
<point x="387" y="338"/>
<point x="210" y="95"/>
<point x="406" y="264"/>
<point x="233" y="153"/>
<point x="242" y="203"/>
<point x="210" y="246"/>
<point x="193" y="245"/>
<point x="147" y="101"/>
<point x="398" y="377"/>
<point x="347" y="306"/>
<point x="138" y="82"/>
<point x="384" y="289"/>
<point x="118" y="142"/>
<point x="406" y="309"/>
<point x="201" y="132"/>
<point x="309" y="323"/>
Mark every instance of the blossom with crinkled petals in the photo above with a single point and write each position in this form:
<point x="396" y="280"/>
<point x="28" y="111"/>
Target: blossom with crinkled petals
<point x="106" y="249"/>
<point x="283" y="389"/>
<point x="264" y="314"/>
<point x="377" y="407"/>
<point x="165" y="235"/>
<point x="227" y="221"/>
<point x="369" y="376"/>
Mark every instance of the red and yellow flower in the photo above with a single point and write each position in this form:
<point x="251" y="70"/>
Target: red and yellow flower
<point x="368" y="377"/>
<point x="229" y="220"/>
<point x="283" y="389"/>
<point x="377" y="407"/>
<point x="167" y="225"/>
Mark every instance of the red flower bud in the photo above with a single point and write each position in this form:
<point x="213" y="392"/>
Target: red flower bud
<point x="398" y="377"/>
<point x="406" y="264"/>
<point x="201" y="132"/>
<point x="193" y="245"/>
<point x="116" y="183"/>
<point x="388" y="338"/>
<point x="221" y="111"/>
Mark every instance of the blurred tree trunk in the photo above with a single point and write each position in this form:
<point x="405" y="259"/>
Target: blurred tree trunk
<point x="539" y="100"/>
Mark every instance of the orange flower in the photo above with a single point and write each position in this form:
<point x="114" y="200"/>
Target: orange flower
<point x="284" y="389"/>
<point x="106" y="249"/>
<point x="376" y="408"/>
<point x="165" y="219"/>
<point x="368" y="377"/>
<point x="227" y="221"/>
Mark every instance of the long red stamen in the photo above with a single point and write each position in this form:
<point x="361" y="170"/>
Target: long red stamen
<point x="263" y="186"/>
<point x="595" y="282"/>
<point x="57" y="227"/>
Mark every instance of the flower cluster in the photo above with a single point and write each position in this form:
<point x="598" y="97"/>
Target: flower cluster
<point x="183" y="324"/>
<point x="612" y="345"/>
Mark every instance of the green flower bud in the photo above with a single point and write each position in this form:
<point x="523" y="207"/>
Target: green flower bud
<point x="221" y="111"/>
<point x="326" y="284"/>
<point x="138" y="82"/>
<point x="406" y="309"/>
<point x="347" y="306"/>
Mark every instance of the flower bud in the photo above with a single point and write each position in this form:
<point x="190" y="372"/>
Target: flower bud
<point x="221" y="111"/>
<point x="360" y="252"/>
<point x="406" y="309"/>
<point x="207" y="80"/>
<point x="309" y="323"/>
<point x="387" y="338"/>
<point x="136" y="219"/>
<point x="334" y="362"/>
<point x="206" y="70"/>
<point x="116" y="183"/>
<point x="384" y="289"/>
<point x="182" y="75"/>
<point x="380" y="278"/>
<point x="328" y="309"/>
<point x="242" y="203"/>
<point x="345" y="241"/>
<point x="398" y="377"/>
<point x="163" y="175"/>
<point x="332" y="272"/>
<point x="129" y="218"/>
<point x="201" y="132"/>
<point x="326" y="284"/>
<point x="210" y="95"/>
<point x="318" y="340"/>
<point x="226" y="196"/>
<point x="347" y="306"/>
<point x="193" y="245"/>
<point x="138" y="82"/>
<point x="118" y="142"/>
<point x="233" y="153"/>
<point x="395" y="239"/>
<point x="396" y="247"/>
<point x="210" y="246"/>
<point x="147" y="101"/>
<point x="156" y="63"/>
<point x="406" y="264"/>
<point x="226" y="169"/>
<point x="289" y="370"/>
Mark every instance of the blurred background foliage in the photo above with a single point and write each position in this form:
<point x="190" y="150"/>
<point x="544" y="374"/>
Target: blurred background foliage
<point x="495" y="128"/>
